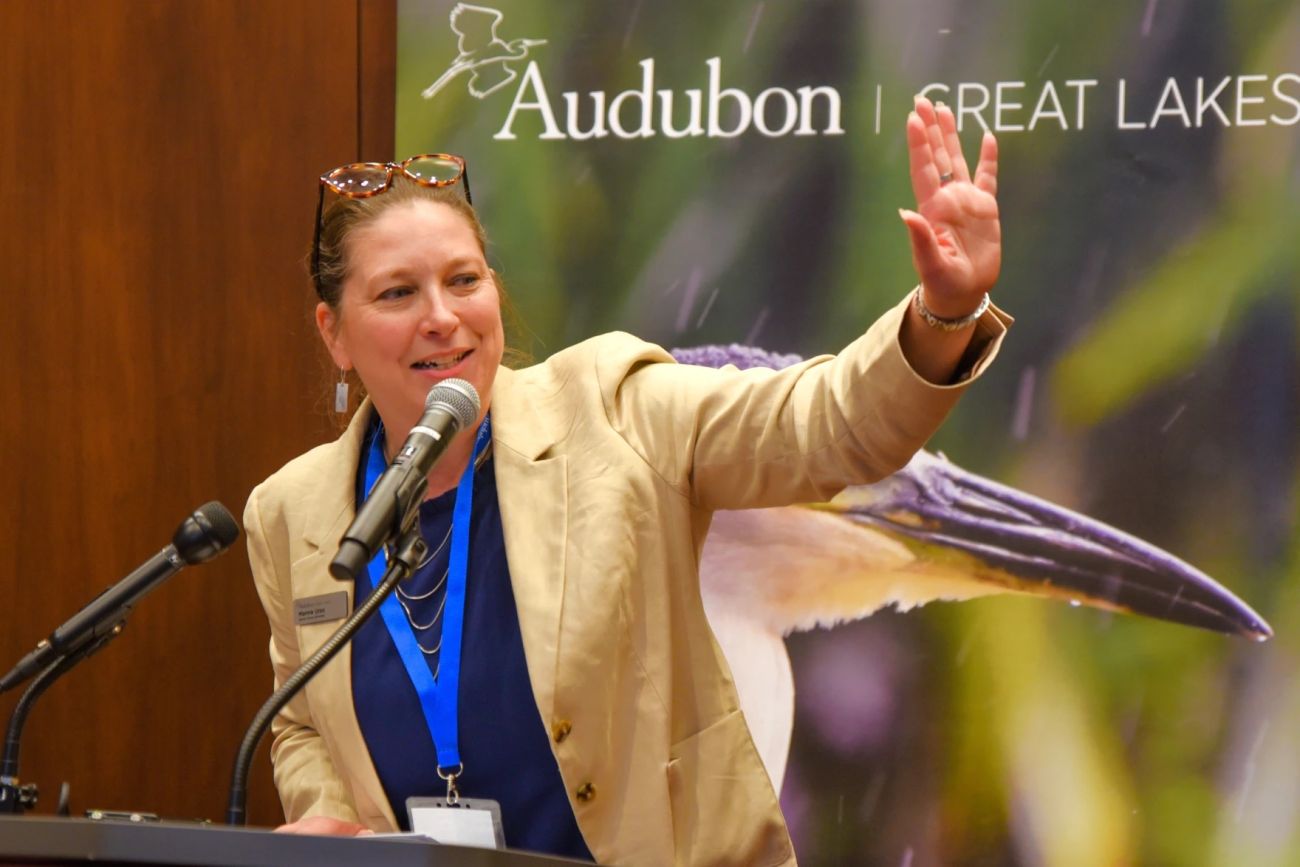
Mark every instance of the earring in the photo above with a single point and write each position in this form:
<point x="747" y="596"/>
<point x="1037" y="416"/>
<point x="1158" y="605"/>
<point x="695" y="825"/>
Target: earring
<point x="341" y="392"/>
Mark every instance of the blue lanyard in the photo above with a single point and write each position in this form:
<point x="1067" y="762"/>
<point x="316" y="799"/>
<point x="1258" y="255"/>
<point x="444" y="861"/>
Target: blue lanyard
<point x="438" y="698"/>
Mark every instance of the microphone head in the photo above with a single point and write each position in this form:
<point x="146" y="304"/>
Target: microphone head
<point x="458" y="398"/>
<point x="205" y="534"/>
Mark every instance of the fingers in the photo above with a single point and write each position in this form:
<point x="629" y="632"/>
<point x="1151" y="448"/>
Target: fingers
<point x="938" y="150"/>
<point x="986" y="173"/>
<point x="925" y="177"/>
<point x="952" y="144"/>
<point x="934" y="151"/>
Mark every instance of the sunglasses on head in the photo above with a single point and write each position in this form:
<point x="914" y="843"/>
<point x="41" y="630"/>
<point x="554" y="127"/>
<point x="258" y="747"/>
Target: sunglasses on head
<point x="363" y="180"/>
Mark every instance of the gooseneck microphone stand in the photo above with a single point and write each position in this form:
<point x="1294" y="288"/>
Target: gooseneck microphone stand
<point x="403" y="557"/>
<point x="15" y="798"/>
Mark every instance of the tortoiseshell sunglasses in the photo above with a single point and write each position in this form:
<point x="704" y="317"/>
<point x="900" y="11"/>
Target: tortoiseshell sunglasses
<point x="363" y="180"/>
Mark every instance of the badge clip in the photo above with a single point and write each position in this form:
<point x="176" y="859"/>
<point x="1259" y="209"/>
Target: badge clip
<point x="453" y="793"/>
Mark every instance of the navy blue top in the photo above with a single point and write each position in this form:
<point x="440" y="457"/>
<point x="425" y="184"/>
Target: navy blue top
<point x="504" y="744"/>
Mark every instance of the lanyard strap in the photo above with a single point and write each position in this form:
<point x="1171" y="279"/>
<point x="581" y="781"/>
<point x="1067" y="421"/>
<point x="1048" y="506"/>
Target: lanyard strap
<point x="438" y="698"/>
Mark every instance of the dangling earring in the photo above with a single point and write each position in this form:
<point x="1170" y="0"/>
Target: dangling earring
<point x="341" y="392"/>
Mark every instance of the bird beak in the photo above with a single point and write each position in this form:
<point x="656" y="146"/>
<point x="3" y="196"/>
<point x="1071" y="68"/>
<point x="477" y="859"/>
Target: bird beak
<point x="1022" y="543"/>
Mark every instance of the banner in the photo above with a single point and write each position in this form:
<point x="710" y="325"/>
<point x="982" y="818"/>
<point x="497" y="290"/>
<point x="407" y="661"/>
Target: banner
<point x="731" y="172"/>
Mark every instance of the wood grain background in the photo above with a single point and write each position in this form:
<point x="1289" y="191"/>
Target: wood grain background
<point x="159" y="181"/>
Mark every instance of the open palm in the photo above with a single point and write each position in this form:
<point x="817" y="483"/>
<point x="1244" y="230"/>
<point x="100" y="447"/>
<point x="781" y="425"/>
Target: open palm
<point x="955" y="234"/>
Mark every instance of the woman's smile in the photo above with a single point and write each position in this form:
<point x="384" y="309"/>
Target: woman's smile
<point x="443" y="364"/>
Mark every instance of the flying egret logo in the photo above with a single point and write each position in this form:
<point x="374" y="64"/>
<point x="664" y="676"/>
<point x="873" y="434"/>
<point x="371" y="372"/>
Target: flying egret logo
<point x="714" y="111"/>
<point x="483" y="54"/>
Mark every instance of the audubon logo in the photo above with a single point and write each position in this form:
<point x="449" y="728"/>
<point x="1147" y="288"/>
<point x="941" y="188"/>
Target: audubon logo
<point x="482" y="53"/>
<point x="711" y="111"/>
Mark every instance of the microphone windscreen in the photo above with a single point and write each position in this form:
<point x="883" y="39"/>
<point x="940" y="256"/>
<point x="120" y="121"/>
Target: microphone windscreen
<point x="457" y="397"/>
<point x="206" y="533"/>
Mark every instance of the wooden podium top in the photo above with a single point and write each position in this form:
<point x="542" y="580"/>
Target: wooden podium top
<point x="50" y="840"/>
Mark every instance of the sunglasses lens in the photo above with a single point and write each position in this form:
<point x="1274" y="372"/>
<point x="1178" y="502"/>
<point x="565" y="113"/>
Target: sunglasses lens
<point x="433" y="170"/>
<point x="359" y="179"/>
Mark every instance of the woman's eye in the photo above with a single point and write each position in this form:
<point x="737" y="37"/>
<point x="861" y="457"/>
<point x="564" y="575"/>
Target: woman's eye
<point x="395" y="292"/>
<point x="465" y="281"/>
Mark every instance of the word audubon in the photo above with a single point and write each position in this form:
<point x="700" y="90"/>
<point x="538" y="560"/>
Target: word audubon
<point x="643" y="112"/>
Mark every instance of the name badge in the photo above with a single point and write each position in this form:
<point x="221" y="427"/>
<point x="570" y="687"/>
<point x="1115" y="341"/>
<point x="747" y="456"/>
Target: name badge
<point x="468" y="822"/>
<point x="320" y="609"/>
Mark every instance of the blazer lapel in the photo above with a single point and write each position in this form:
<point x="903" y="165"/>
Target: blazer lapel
<point x="532" y="485"/>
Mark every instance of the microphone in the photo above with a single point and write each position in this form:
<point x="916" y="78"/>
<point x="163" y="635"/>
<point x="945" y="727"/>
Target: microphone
<point x="200" y="537"/>
<point x="451" y="406"/>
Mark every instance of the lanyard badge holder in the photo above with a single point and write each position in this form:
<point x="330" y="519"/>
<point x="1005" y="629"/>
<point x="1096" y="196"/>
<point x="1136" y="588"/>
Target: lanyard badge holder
<point x="462" y="822"/>
<point x="453" y="819"/>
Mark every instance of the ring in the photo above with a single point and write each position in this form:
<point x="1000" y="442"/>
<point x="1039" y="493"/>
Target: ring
<point x="945" y="178"/>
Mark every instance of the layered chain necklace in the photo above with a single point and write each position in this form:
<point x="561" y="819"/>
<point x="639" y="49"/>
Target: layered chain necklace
<point x="406" y="599"/>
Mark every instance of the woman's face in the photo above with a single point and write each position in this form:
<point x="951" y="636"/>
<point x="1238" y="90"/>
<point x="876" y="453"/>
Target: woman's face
<point x="419" y="305"/>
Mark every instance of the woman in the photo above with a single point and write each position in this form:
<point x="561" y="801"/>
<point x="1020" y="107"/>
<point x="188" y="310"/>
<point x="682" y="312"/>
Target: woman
<point x="593" y="701"/>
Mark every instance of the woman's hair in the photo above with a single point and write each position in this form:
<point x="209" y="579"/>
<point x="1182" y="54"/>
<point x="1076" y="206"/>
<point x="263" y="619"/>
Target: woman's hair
<point x="342" y="217"/>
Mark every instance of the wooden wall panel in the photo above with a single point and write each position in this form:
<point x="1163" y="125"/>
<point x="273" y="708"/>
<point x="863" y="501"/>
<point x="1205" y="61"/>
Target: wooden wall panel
<point x="156" y="202"/>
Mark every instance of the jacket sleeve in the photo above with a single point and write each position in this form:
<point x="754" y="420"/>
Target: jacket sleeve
<point x="304" y="774"/>
<point x="732" y="439"/>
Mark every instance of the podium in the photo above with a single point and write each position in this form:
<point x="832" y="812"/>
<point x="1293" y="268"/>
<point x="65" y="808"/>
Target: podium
<point x="44" y="840"/>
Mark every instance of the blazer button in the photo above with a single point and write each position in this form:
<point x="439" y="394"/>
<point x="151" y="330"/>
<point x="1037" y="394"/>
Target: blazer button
<point x="586" y="792"/>
<point x="560" y="730"/>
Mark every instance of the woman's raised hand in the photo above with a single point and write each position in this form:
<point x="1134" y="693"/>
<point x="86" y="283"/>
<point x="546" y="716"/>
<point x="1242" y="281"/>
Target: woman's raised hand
<point x="956" y="237"/>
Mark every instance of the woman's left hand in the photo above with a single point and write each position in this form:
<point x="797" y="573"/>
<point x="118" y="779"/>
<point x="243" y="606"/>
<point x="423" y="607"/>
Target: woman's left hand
<point x="956" y="237"/>
<point x="325" y="826"/>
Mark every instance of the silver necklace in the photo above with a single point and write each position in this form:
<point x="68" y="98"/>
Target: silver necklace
<point x="403" y="597"/>
<point x="410" y="618"/>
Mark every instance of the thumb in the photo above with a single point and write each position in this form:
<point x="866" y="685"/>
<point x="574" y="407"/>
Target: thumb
<point x="925" y="246"/>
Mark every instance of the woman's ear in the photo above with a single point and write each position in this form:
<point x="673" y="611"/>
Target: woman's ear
<point x="327" y="323"/>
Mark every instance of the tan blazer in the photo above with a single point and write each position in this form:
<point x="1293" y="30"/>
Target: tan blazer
<point x="609" y="466"/>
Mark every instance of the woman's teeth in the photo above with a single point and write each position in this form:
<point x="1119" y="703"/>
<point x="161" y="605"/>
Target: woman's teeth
<point x="439" y="365"/>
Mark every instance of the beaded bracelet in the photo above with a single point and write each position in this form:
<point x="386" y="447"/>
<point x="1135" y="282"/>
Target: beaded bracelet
<point x="948" y="324"/>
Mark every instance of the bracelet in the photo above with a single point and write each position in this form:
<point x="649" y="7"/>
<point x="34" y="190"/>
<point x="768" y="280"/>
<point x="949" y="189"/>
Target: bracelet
<point x="948" y="324"/>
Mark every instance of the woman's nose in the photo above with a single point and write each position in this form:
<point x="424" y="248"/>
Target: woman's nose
<point x="436" y="317"/>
